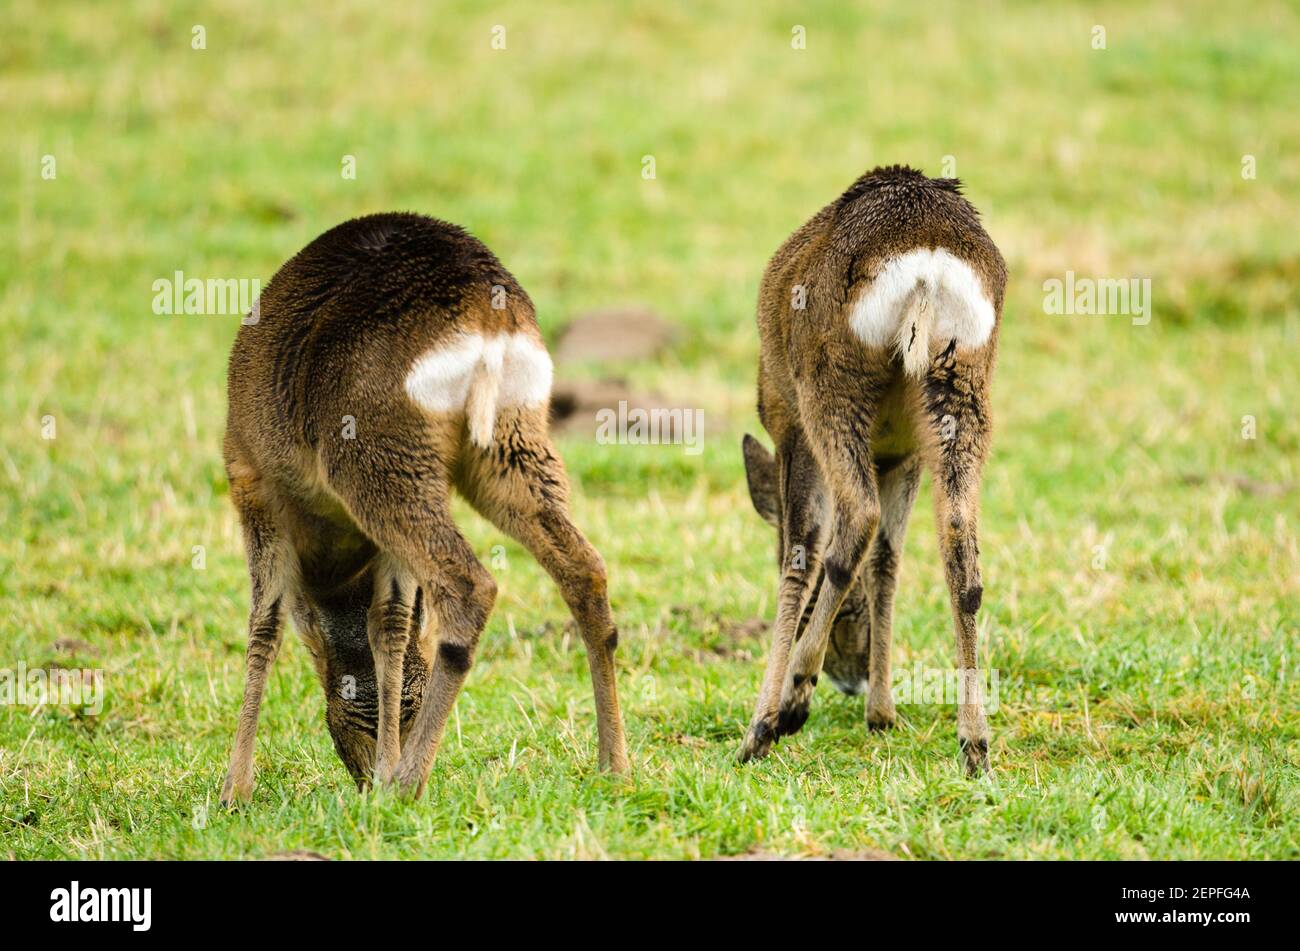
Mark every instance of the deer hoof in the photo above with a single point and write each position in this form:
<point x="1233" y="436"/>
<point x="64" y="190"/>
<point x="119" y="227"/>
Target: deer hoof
<point x="236" y="792"/>
<point x="881" y="718"/>
<point x="792" y="718"/>
<point x="795" y="703"/>
<point x="758" y="741"/>
<point x="975" y="756"/>
<point x="406" y="784"/>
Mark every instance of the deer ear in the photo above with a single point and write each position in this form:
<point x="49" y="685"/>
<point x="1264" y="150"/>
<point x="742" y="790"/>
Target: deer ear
<point x="760" y="473"/>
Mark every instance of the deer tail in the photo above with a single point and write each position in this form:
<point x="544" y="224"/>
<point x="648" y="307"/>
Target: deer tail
<point x="484" y="391"/>
<point x="913" y="339"/>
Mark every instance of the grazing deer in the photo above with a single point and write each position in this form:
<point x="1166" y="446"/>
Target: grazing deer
<point x="393" y="359"/>
<point x="878" y="322"/>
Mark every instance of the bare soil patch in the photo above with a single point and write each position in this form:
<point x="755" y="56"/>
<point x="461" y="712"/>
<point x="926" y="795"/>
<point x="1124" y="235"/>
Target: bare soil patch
<point x="629" y="333"/>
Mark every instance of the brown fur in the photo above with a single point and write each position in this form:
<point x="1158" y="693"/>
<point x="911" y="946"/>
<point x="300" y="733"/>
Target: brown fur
<point x="351" y="532"/>
<point x="852" y="431"/>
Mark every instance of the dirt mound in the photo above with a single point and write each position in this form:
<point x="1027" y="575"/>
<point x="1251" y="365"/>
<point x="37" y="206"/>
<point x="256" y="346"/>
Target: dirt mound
<point x="614" y="334"/>
<point x="575" y="403"/>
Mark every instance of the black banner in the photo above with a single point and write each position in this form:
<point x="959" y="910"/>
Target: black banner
<point x="135" y="900"/>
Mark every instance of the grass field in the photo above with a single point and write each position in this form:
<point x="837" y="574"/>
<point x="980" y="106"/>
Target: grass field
<point x="1140" y="553"/>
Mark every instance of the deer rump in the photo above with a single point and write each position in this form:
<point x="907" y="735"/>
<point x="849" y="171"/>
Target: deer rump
<point x="923" y="294"/>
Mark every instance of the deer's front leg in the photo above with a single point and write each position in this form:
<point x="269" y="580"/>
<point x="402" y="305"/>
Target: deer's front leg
<point x="461" y="595"/>
<point x="839" y="426"/>
<point x="802" y="500"/>
<point x="267" y="569"/>
<point x="851" y="531"/>
<point x="388" y="627"/>
<point x="265" y="631"/>
<point x="795" y="589"/>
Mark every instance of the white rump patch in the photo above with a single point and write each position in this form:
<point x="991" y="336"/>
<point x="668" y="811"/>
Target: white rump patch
<point x="922" y="295"/>
<point x="526" y="374"/>
<point x="477" y="375"/>
<point x="439" y="380"/>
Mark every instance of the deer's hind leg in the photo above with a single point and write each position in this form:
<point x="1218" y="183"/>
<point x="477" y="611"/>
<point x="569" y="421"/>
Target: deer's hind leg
<point x="801" y="496"/>
<point x="272" y="573"/>
<point x="898" y="487"/>
<point x="956" y="419"/>
<point x="519" y="484"/>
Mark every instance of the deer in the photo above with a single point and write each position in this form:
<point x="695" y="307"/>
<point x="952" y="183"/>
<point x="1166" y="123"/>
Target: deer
<point x="392" y="362"/>
<point x="878" y="325"/>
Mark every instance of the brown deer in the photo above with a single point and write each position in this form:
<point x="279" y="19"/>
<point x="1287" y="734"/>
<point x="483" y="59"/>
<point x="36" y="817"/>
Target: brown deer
<point x="392" y="360"/>
<point x="878" y="324"/>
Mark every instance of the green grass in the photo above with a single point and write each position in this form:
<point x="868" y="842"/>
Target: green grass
<point x="1149" y="704"/>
